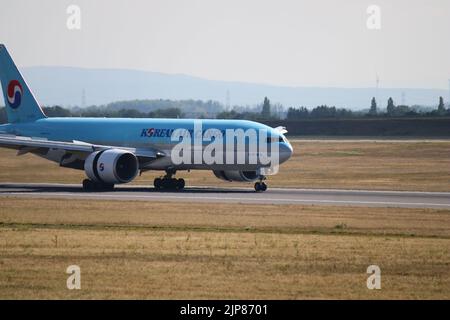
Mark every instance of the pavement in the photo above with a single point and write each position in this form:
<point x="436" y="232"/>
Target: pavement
<point x="333" y="197"/>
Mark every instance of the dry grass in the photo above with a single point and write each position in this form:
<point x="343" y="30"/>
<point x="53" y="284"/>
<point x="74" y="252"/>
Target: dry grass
<point x="185" y="250"/>
<point x="226" y="217"/>
<point x="316" y="164"/>
<point x="191" y="251"/>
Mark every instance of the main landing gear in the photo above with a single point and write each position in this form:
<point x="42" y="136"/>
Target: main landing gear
<point x="89" y="185"/>
<point x="260" y="186"/>
<point x="169" y="183"/>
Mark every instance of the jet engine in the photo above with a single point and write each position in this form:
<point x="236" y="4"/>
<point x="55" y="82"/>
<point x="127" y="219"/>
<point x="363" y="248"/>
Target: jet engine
<point x="241" y="176"/>
<point x="111" y="166"/>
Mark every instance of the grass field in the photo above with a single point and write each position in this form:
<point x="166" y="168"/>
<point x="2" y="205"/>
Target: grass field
<point x="190" y="251"/>
<point x="172" y="250"/>
<point x="417" y="165"/>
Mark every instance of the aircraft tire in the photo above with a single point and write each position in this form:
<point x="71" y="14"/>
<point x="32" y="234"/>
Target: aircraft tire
<point x="180" y="183"/>
<point x="158" y="183"/>
<point x="263" y="186"/>
<point x="260" y="187"/>
<point x="88" y="185"/>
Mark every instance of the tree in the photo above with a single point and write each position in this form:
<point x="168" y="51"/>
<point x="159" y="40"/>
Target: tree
<point x="232" y="114"/>
<point x="373" y="107"/>
<point x="166" y="113"/>
<point x="441" y="107"/>
<point x="390" y="106"/>
<point x="301" y="113"/>
<point x="323" y="111"/>
<point x="265" y="113"/>
<point x="56" y="111"/>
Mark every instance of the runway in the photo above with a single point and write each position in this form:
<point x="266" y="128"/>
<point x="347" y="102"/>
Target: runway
<point x="334" y="197"/>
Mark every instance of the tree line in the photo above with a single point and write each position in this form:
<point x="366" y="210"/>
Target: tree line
<point x="325" y="112"/>
<point x="391" y="110"/>
<point x="99" y="112"/>
<point x="263" y="112"/>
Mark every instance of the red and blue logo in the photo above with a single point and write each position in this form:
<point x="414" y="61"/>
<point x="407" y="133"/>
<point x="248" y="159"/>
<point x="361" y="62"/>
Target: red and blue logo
<point x="14" y="94"/>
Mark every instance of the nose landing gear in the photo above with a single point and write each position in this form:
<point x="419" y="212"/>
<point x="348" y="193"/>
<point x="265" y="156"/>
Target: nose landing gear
<point x="168" y="182"/>
<point x="260" y="186"/>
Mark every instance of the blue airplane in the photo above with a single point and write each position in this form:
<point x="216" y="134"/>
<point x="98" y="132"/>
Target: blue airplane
<point x="114" y="151"/>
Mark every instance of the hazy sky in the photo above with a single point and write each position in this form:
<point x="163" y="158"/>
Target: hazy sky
<point x="283" y="42"/>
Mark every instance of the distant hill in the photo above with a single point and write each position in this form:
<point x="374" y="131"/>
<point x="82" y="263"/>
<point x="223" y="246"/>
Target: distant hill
<point x="64" y="86"/>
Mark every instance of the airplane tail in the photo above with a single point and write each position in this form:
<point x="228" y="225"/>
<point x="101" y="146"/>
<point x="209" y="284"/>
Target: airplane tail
<point x="21" y="106"/>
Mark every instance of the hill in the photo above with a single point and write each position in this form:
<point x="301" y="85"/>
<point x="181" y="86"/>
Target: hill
<point x="65" y="85"/>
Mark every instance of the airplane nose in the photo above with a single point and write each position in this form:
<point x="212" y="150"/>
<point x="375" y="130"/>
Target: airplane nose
<point x="285" y="151"/>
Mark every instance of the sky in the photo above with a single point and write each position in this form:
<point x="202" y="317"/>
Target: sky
<point x="322" y="43"/>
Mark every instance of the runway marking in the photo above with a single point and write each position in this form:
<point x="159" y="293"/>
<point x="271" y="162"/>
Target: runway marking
<point x="340" y="197"/>
<point x="161" y="198"/>
<point x="396" y="192"/>
<point x="138" y="186"/>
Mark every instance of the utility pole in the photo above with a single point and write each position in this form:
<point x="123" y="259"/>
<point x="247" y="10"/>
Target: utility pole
<point x="227" y="102"/>
<point x="83" y="98"/>
<point x="377" y="86"/>
<point x="449" y="90"/>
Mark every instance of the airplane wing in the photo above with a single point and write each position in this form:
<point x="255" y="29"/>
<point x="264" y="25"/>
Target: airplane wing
<point x="27" y="144"/>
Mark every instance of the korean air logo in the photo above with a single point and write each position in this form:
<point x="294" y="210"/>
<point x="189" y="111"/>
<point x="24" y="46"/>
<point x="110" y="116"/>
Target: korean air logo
<point x="161" y="133"/>
<point x="14" y="94"/>
<point x="102" y="167"/>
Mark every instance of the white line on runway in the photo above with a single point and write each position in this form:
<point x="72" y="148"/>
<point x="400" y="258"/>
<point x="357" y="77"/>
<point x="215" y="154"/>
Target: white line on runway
<point x="161" y="198"/>
<point x="137" y="186"/>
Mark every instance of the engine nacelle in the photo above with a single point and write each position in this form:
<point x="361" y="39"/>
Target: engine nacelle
<point x="111" y="166"/>
<point x="241" y="176"/>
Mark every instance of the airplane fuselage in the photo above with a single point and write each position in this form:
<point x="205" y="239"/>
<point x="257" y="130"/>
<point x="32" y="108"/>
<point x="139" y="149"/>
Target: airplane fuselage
<point x="141" y="133"/>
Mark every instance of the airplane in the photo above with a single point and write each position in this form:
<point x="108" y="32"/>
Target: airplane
<point x="115" y="150"/>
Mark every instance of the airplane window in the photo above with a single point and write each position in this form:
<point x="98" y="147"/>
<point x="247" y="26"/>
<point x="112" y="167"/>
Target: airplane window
<point x="275" y="139"/>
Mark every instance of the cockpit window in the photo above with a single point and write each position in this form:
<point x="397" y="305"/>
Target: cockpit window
<point x="275" y="139"/>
